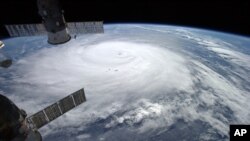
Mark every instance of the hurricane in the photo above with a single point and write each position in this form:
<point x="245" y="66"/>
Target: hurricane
<point x="142" y="82"/>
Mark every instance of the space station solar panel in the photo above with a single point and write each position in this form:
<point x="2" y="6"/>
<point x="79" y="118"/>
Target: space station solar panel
<point x="79" y="97"/>
<point x="25" y="30"/>
<point x="16" y="30"/>
<point x="39" y="119"/>
<point x="85" y="27"/>
<point x="57" y="109"/>
<point x="53" y="111"/>
<point x="66" y="104"/>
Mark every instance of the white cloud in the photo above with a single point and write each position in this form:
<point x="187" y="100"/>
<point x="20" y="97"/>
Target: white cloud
<point x="233" y="56"/>
<point x="123" y="76"/>
<point x="110" y="72"/>
<point x="83" y="136"/>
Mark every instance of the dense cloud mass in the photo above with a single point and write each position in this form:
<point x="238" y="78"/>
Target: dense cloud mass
<point x="142" y="82"/>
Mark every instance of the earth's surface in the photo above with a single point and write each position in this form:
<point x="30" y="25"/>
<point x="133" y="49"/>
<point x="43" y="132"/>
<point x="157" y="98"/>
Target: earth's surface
<point x="142" y="82"/>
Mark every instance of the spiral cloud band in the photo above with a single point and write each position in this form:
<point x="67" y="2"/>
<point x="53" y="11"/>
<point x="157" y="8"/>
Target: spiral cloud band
<point x="136" y="83"/>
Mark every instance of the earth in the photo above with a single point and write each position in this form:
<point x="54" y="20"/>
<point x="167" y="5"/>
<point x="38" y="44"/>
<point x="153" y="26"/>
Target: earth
<point x="142" y="82"/>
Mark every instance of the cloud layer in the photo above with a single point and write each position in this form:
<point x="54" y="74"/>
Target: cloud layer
<point x="146" y="85"/>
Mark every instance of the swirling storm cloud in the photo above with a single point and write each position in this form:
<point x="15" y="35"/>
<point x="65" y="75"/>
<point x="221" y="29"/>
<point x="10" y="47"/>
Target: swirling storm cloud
<point x="142" y="82"/>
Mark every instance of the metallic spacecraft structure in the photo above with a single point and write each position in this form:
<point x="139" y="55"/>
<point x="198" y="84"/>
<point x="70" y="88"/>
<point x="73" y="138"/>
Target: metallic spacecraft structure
<point x="4" y="62"/>
<point x="16" y="126"/>
<point x="54" y="24"/>
<point x="53" y="21"/>
<point x="1" y="44"/>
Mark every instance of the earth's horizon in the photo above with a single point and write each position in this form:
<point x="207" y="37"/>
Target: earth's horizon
<point x="142" y="82"/>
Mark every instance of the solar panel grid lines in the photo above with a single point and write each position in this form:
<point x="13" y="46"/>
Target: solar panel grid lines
<point x="57" y="109"/>
<point x="66" y="104"/>
<point x="57" y="103"/>
<point x="85" y="27"/>
<point x="46" y="116"/>
<point x="53" y="112"/>
<point x="73" y="100"/>
<point x="16" y="30"/>
<point x="79" y="97"/>
<point x="39" y="119"/>
<point x="25" y="30"/>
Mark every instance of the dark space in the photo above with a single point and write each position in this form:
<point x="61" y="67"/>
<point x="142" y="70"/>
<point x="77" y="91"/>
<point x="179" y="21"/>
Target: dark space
<point x="227" y="16"/>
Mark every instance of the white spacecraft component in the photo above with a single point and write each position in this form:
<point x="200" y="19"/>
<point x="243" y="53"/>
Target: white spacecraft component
<point x="5" y="61"/>
<point x="54" y="24"/>
<point x="55" y="110"/>
<point x="1" y="44"/>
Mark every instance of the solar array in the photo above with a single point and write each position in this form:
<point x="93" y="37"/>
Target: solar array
<point x="16" y="30"/>
<point x="85" y="27"/>
<point x="57" y="109"/>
